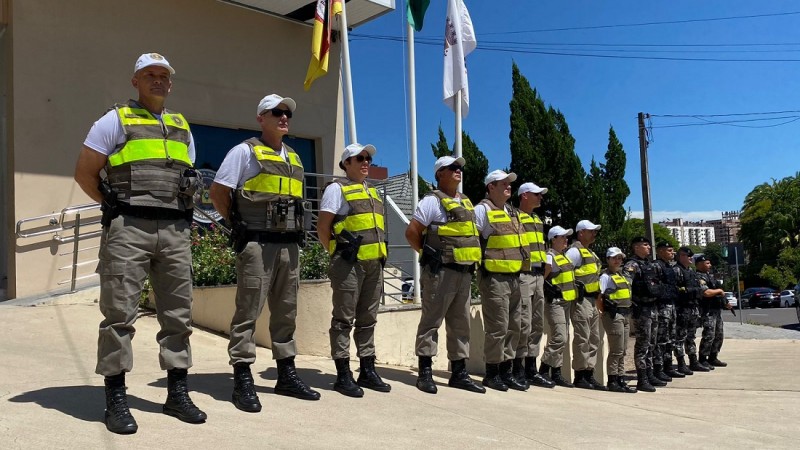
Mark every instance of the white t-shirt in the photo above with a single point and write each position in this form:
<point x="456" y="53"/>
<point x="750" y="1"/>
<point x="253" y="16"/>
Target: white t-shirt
<point x="604" y="281"/>
<point x="482" y="220"/>
<point x="239" y="165"/>
<point x="107" y="136"/>
<point x="554" y="269"/>
<point x="430" y="210"/>
<point x="333" y="200"/>
<point x="574" y="255"/>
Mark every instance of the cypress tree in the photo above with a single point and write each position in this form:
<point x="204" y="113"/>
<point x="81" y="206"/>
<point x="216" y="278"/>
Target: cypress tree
<point x="614" y="186"/>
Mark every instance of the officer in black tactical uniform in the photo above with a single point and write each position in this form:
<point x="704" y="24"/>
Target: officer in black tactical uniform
<point x="647" y="289"/>
<point x="666" y="315"/>
<point x="687" y="313"/>
<point x="711" y="311"/>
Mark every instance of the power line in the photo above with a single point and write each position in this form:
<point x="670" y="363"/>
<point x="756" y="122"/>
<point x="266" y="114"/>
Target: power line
<point x="706" y="122"/>
<point x="791" y="111"/>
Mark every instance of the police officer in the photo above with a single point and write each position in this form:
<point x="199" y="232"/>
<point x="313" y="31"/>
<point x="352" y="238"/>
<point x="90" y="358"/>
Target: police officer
<point x="711" y="306"/>
<point x="351" y="225"/>
<point x="505" y="252"/>
<point x="662" y="367"/>
<point x="687" y="313"/>
<point x="616" y="307"/>
<point x="532" y="284"/>
<point x="147" y="153"/>
<point x="645" y="279"/>
<point x="258" y="189"/>
<point x="443" y="230"/>
<point x="585" y="317"/>
<point x="560" y="295"/>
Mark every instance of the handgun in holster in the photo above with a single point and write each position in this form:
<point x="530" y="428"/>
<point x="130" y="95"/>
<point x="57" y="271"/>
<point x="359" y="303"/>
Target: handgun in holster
<point x="238" y="237"/>
<point x="581" y="288"/>
<point x="350" y="249"/>
<point x="609" y="306"/>
<point x="432" y="258"/>
<point x="110" y="206"/>
<point x="551" y="291"/>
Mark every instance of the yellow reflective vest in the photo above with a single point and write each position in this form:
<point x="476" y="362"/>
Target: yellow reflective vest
<point x="565" y="277"/>
<point x="365" y="218"/>
<point x="534" y="232"/>
<point x="457" y="237"/>
<point x="506" y="249"/>
<point x="618" y="290"/>
<point x="588" y="272"/>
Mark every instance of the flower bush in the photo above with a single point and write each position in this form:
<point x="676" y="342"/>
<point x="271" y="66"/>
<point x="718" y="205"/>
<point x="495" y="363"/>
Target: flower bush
<point x="314" y="261"/>
<point x="213" y="262"/>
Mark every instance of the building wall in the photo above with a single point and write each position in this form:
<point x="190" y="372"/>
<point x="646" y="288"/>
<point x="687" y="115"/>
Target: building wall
<point x="73" y="60"/>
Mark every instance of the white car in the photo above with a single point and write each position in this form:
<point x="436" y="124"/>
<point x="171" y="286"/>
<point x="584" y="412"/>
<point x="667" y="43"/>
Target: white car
<point x="732" y="300"/>
<point x="787" y="298"/>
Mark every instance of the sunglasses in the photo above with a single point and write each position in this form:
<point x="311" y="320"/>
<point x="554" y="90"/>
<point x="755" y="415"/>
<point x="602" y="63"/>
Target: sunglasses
<point x="281" y="112"/>
<point x="362" y="158"/>
<point x="453" y="167"/>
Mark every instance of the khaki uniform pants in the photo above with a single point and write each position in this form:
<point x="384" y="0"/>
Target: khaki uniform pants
<point x="618" y="329"/>
<point x="586" y="326"/>
<point x="532" y="313"/>
<point x="265" y="271"/>
<point x="357" y="292"/>
<point x="445" y="297"/>
<point x="130" y="249"/>
<point x="557" y="314"/>
<point x="500" y="297"/>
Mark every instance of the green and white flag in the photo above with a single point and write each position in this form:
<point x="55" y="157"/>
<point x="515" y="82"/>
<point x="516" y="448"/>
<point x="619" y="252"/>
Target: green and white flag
<point x="416" y="12"/>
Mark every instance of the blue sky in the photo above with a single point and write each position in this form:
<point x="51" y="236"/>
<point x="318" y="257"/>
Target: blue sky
<point x="694" y="171"/>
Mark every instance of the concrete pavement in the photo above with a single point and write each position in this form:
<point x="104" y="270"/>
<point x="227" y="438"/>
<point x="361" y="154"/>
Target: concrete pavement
<point x="51" y="398"/>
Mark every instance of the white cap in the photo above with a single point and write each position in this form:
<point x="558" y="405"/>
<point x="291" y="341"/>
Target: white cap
<point x="558" y="231"/>
<point x="586" y="225"/>
<point x="272" y="101"/>
<point x="152" y="59"/>
<point x="531" y="187"/>
<point x="614" y="251"/>
<point x="445" y="161"/>
<point x="356" y="148"/>
<point x="498" y="175"/>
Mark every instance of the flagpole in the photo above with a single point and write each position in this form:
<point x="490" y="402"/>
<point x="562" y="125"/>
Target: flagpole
<point x="347" y="82"/>
<point x="412" y="131"/>
<point x="457" y="145"/>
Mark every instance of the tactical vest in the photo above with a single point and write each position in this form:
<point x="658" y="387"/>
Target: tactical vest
<point x="588" y="272"/>
<point x="365" y="218"/>
<point x="668" y="281"/>
<point x="269" y="200"/>
<point x="619" y="290"/>
<point x="506" y="249"/>
<point x="457" y="238"/>
<point x="715" y="302"/>
<point x="565" y="279"/>
<point x="152" y="168"/>
<point x="690" y="294"/>
<point x="647" y="283"/>
<point x="534" y="231"/>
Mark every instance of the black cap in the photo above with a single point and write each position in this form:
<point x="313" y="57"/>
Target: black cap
<point x="700" y="258"/>
<point x="639" y="239"/>
<point x="686" y="250"/>
<point x="663" y="244"/>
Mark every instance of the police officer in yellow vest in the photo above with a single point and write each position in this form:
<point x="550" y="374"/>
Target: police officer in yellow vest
<point x="259" y="190"/>
<point x="443" y="230"/>
<point x="532" y="284"/>
<point x="560" y="295"/>
<point x="616" y="310"/>
<point x="351" y="225"/>
<point x="147" y="153"/>
<point x="505" y="255"/>
<point x="585" y="317"/>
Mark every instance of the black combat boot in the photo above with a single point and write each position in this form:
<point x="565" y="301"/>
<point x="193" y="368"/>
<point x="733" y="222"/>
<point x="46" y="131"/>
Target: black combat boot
<point x="345" y="384"/>
<point x="460" y="379"/>
<point x="670" y="371"/>
<point x="518" y="372"/>
<point x="658" y="371"/>
<point x="178" y="403"/>
<point x="695" y="365"/>
<point x="581" y="381"/>
<point x="715" y="362"/>
<point x="425" y="378"/>
<point x="244" y="390"/>
<point x="290" y="384"/>
<point x="507" y="375"/>
<point x="682" y="367"/>
<point x="369" y="378"/>
<point x="625" y="388"/>
<point x="704" y="362"/>
<point x="492" y="379"/>
<point x="533" y="376"/>
<point x="596" y="385"/>
<point x="544" y="371"/>
<point x="643" y="381"/>
<point x="559" y="379"/>
<point x="118" y="418"/>
<point x="613" y="384"/>
<point x="654" y="380"/>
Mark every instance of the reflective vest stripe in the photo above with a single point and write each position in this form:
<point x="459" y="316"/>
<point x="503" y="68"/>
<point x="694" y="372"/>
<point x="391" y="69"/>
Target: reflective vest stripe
<point x="623" y="291"/>
<point x="565" y="278"/>
<point x="275" y="184"/>
<point x="535" y="235"/>
<point x="457" y="238"/>
<point x="588" y="272"/>
<point x="365" y="218"/>
<point x="141" y="149"/>
<point x="506" y="248"/>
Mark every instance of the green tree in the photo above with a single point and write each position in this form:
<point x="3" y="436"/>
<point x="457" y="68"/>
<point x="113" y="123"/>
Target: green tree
<point x="630" y="229"/>
<point x="476" y="166"/>
<point x="614" y="186"/>
<point x="595" y="197"/>
<point x="423" y="187"/>
<point x="572" y="176"/>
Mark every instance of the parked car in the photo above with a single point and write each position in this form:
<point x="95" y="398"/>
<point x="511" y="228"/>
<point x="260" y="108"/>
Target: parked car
<point x="732" y="300"/>
<point x="787" y="298"/>
<point x="760" y="297"/>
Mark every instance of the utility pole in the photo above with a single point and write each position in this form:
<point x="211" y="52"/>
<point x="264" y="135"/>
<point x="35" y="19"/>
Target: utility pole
<point x="648" y="213"/>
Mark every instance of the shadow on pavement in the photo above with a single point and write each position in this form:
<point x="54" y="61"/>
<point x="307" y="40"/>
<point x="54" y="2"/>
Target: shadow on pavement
<point x="218" y="386"/>
<point x="85" y="403"/>
<point x="314" y="378"/>
<point x="794" y="326"/>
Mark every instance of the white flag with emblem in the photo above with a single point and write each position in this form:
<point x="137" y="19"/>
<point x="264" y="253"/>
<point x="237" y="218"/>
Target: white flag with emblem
<point x="459" y="41"/>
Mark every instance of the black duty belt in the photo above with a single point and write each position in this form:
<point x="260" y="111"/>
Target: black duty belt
<point x="534" y="271"/>
<point x="462" y="268"/>
<point x="152" y="213"/>
<point x="273" y="237"/>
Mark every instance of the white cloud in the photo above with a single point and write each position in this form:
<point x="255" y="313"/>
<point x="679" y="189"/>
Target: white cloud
<point x="693" y="216"/>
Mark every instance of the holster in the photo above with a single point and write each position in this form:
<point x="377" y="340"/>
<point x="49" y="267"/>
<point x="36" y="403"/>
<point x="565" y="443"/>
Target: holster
<point x="238" y="238"/>
<point x="432" y="258"/>
<point x="609" y="307"/>
<point x="349" y="251"/>
<point x="109" y="207"/>
<point x="581" y="288"/>
<point x="551" y="291"/>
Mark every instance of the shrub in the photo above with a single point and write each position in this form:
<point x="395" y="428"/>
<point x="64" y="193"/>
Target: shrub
<point x="213" y="262"/>
<point x="314" y="261"/>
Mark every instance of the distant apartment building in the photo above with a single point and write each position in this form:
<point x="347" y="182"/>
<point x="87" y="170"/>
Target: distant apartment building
<point x="726" y="230"/>
<point x="690" y="233"/>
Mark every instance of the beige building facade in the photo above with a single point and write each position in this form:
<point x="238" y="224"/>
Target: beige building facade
<point x="64" y="63"/>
